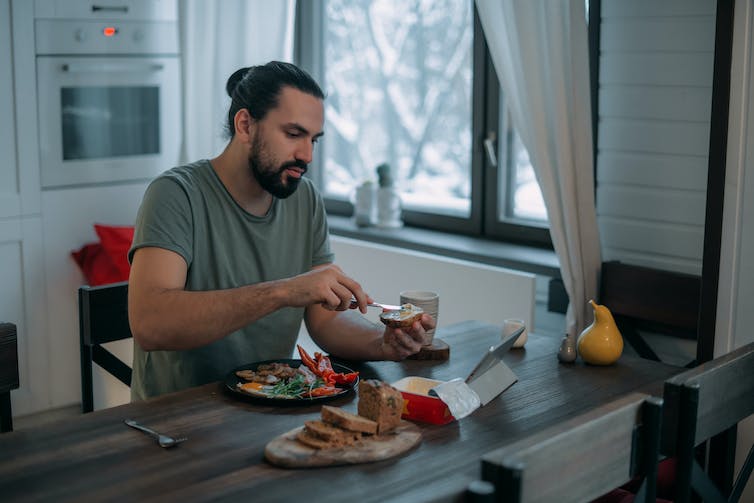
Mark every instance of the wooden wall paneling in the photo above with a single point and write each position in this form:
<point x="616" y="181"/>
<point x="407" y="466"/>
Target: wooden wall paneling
<point x="664" y="137"/>
<point x="682" y="34"/>
<point x="664" y="69"/>
<point x="682" y="172"/>
<point x="653" y="102"/>
<point x="653" y="237"/>
<point x="649" y="203"/>
<point x="612" y="8"/>
<point x="655" y="85"/>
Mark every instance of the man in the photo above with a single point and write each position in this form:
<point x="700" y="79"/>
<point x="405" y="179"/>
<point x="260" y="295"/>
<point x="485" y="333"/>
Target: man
<point x="229" y="254"/>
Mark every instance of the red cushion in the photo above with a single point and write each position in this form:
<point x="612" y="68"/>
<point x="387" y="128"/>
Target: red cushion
<point x="97" y="267"/>
<point x="666" y="478"/>
<point x="107" y="261"/>
<point x="116" y="241"/>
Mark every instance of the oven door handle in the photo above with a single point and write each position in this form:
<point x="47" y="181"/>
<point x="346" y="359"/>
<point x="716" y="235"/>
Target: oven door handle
<point x="123" y="67"/>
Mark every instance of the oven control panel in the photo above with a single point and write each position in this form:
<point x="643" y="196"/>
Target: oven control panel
<point x="105" y="37"/>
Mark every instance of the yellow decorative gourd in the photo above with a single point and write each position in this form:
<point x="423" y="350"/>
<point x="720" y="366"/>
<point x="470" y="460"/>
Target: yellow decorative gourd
<point x="601" y="342"/>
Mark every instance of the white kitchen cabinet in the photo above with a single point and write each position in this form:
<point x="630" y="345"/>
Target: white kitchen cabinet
<point x="10" y="199"/>
<point x="23" y="302"/>
<point x="19" y="144"/>
<point x="22" y="284"/>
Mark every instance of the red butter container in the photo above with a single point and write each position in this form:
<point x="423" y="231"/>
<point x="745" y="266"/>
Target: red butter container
<point x="418" y="405"/>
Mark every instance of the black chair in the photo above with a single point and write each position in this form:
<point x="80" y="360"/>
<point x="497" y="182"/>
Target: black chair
<point x="651" y="300"/>
<point x="103" y="317"/>
<point x="583" y="458"/>
<point x="707" y="403"/>
<point x="8" y="373"/>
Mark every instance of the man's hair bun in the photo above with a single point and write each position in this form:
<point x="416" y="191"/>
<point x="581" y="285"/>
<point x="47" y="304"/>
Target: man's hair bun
<point x="234" y="80"/>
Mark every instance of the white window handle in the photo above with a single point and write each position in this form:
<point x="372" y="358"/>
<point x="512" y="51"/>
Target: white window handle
<point x="489" y="147"/>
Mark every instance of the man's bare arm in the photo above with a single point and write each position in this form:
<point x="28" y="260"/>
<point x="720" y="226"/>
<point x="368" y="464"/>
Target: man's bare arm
<point x="163" y="315"/>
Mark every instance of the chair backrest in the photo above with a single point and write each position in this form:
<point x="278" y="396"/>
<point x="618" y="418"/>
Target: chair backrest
<point x="583" y="458"/>
<point x="643" y="298"/>
<point x="699" y="404"/>
<point x="103" y="317"/>
<point x="8" y="373"/>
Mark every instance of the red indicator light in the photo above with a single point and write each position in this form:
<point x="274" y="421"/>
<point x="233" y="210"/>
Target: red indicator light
<point x="109" y="31"/>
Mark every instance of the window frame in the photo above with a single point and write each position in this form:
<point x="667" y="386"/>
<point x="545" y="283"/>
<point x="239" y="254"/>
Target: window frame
<point x="482" y="220"/>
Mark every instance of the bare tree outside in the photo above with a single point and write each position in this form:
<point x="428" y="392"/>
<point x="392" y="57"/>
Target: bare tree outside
<point x="399" y="81"/>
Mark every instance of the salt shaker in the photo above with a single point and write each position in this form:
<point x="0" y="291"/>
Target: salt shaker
<point x="567" y="352"/>
<point x="388" y="200"/>
<point x="365" y="204"/>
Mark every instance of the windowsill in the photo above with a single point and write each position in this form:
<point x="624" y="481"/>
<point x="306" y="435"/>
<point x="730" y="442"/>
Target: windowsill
<point x="512" y="256"/>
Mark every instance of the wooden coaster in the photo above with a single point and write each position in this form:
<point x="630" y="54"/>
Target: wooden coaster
<point x="438" y="350"/>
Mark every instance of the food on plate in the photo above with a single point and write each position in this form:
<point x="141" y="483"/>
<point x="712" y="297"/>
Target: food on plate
<point x="321" y="366"/>
<point x="348" y="421"/>
<point x="403" y="317"/>
<point x="268" y="373"/>
<point x="315" y="378"/>
<point x="381" y="403"/>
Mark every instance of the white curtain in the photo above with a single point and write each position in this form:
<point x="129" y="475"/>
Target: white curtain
<point x="218" y="37"/>
<point x="540" y="52"/>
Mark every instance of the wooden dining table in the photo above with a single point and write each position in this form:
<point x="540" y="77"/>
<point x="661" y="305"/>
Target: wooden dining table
<point x="95" y="457"/>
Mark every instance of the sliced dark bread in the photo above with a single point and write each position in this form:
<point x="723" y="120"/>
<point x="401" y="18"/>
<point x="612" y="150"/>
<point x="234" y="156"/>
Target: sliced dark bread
<point x="381" y="403"/>
<point x="348" y="421"/>
<point x="332" y="434"/>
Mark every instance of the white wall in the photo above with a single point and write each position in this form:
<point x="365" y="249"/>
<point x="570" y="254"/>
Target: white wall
<point x="68" y="216"/>
<point x="467" y="290"/>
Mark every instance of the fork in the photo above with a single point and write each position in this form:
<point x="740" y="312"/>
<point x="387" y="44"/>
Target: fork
<point x="163" y="440"/>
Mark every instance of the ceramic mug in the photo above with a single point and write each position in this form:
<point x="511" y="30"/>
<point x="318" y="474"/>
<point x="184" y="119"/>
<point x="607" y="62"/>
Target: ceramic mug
<point x="510" y="325"/>
<point x="428" y="301"/>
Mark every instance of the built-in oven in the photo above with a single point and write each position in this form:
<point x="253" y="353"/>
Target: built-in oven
<point x="108" y="87"/>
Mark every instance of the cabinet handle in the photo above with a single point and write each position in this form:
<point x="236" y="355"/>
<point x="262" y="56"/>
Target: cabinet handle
<point x="110" y="8"/>
<point x="111" y="67"/>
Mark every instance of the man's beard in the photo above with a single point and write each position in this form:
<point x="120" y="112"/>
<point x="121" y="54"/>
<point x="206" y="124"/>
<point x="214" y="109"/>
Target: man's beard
<point x="269" y="177"/>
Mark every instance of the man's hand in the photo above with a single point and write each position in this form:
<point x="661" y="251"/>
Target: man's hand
<point x="327" y="285"/>
<point x="398" y="344"/>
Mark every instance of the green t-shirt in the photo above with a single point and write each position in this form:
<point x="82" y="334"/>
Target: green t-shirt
<point x="189" y="211"/>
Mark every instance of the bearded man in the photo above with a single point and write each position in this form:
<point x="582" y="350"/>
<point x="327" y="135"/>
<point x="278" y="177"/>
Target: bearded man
<point x="231" y="254"/>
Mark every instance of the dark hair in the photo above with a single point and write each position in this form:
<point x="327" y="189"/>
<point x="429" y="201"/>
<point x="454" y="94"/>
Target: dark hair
<point x="257" y="89"/>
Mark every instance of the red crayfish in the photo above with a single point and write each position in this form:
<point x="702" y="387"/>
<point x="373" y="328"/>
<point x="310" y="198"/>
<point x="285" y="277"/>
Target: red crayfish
<point x="322" y="367"/>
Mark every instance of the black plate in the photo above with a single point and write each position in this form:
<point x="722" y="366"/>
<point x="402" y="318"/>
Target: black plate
<point x="231" y="380"/>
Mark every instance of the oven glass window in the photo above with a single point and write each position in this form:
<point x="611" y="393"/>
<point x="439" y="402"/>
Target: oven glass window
<point x="102" y="122"/>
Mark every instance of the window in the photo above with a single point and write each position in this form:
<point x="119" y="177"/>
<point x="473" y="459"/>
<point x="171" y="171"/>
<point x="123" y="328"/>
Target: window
<point x="410" y="84"/>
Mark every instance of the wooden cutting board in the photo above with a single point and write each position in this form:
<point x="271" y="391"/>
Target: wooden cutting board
<point x="288" y="452"/>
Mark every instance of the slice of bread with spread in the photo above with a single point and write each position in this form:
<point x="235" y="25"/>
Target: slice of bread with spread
<point x="381" y="403"/>
<point x="402" y="318"/>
